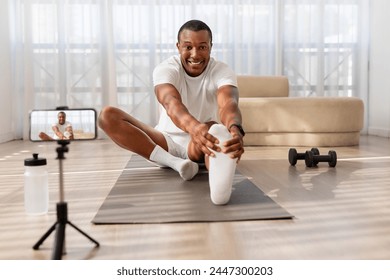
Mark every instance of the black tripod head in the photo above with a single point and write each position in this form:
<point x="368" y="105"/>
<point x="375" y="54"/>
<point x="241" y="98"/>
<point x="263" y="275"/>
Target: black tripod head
<point x="62" y="149"/>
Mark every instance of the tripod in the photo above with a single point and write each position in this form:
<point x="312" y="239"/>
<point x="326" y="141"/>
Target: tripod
<point x="62" y="213"/>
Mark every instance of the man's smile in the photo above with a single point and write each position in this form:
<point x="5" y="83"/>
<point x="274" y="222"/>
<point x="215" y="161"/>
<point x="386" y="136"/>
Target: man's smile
<point x="195" y="63"/>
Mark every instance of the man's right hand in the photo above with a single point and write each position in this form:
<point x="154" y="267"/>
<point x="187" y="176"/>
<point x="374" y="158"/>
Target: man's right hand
<point x="203" y="140"/>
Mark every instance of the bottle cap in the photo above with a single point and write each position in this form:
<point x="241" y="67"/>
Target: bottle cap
<point x="35" y="161"/>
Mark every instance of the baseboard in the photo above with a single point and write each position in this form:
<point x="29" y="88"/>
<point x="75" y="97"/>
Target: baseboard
<point x="379" y="132"/>
<point x="5" y="137"/>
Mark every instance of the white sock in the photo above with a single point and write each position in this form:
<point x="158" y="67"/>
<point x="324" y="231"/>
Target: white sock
<point x="175" y="149"/>
<point x="186" y="168"/>
<point x="221" y="168"/>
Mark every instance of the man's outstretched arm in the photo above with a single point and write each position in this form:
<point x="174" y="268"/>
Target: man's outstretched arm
<point x="170" y="99"/>
<point x="230" y="116"/>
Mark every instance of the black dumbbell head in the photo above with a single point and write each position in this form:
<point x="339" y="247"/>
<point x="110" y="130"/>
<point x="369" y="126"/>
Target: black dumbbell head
<point x="292" y="156"/>
<point x="315" y="151"/>
<point x="333" y="158"/>
<point x="309" y="159"/>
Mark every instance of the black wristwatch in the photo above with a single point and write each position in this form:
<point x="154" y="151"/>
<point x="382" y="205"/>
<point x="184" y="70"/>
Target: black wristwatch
<point x="239" y="128"/>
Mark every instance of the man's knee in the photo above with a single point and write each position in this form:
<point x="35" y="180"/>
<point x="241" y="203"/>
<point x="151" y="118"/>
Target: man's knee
<point x="106" y="116"/>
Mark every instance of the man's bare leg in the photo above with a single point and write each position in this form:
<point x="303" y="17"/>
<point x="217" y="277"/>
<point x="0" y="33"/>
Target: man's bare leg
<point x="129" y="133"/>
<point x="45" y="137"/>
<point x="142" y="139"/>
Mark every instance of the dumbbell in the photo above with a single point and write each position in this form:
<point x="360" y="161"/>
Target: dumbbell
<point x="294" y="156"/>
<point x="312" y="160"/>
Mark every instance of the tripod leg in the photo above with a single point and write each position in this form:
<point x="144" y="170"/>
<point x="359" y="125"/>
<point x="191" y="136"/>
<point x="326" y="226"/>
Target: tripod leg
<point x="43" y="238"/>
<point x="59" y="242"/>
<point x="83" y="233"/>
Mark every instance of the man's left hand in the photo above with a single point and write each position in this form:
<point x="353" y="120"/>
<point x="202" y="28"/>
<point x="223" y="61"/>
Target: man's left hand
<point x="234" y="146"/>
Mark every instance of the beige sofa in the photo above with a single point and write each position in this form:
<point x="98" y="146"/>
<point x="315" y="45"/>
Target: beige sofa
<point x="272" y="118"/>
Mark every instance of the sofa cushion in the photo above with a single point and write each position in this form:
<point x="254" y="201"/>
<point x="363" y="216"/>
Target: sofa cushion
<point x="296" y="139"/>
<point x="263" y="86"/>
<point x="302" y="114"/>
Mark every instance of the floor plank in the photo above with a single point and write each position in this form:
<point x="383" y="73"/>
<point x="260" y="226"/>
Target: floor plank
<point x="340" y="213"/>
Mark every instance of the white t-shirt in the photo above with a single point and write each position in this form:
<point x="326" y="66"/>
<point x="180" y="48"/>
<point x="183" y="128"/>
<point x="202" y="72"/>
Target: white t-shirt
<point x="199" y="94"/>
<point x="62" y="128"/>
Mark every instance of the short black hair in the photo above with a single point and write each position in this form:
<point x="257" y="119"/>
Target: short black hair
<point x="195" y="25"/>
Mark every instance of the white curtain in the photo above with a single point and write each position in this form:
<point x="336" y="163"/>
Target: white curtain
<point x="325" y="47"/>
<point x="91" y="53"/>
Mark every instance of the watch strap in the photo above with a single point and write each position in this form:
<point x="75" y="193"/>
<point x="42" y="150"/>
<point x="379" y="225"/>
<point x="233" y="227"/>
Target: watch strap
<point x="239" y="128"/>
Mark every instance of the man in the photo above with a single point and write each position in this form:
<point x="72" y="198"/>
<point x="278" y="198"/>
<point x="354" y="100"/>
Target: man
<point x="196" y="92"/>
<point x="62" y="129"/>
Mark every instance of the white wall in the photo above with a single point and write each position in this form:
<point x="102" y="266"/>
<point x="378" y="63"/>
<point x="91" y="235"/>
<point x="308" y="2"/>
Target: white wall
<point x="6" y="124"/>
<point x="379" y="89"/>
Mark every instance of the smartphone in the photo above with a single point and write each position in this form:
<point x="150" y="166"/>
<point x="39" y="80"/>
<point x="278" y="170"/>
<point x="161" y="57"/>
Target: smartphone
<point x="67" y="124"/>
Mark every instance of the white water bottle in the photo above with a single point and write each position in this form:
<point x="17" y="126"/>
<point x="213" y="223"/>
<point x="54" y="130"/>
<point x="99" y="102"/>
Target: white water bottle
<point x="36" y="190"/>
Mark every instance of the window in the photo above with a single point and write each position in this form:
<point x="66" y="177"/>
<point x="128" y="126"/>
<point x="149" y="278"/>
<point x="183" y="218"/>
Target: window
<point x="89" y="53"/>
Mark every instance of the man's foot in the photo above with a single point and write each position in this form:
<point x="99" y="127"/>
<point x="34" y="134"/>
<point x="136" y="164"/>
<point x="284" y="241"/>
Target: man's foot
<point x="188" y="169"/>
<point x="221" y="169"/>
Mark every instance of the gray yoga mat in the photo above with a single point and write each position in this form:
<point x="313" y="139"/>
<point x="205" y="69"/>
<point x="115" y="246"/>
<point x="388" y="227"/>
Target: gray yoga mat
<point x="146" y="194"/>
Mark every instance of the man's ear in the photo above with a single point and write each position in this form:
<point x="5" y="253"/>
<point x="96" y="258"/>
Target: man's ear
<point x="177" y="46"/>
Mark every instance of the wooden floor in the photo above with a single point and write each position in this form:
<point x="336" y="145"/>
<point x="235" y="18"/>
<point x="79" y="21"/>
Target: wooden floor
<point x="339" y="213"/>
